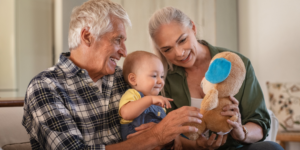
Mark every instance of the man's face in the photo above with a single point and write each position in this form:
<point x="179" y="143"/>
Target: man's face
<point x="107" y="50"/>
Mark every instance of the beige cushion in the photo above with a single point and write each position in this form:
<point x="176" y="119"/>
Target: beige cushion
<point x="17" y="146"/>
<point x="285" y="104"/>
<point x="11" y="129"/>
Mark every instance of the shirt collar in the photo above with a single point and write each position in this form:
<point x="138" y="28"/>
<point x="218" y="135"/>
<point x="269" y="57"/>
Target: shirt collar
<point x="68" y="66"/>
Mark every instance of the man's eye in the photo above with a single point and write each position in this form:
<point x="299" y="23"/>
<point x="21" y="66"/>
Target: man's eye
<point x="118" y="40"/>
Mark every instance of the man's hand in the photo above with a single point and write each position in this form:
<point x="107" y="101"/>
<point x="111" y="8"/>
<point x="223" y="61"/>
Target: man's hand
<point x="171" y="125"/>
<point x="141" y="129"/>
<point x="161" y="101"/>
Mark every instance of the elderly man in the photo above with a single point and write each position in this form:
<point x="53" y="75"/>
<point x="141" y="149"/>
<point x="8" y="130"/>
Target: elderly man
<point x="74" y="104"/>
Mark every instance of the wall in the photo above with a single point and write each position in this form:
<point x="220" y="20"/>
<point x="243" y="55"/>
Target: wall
<point x="269" y="33"/>
<point x="200" y="11"/>
<point x="7" y="49"/>
<point x="62" y="13"/>
<point x="226" y="19"/>
<point x="140" y="12"/>
<point x="26" y="43"/>
<point x="34" y="40"/>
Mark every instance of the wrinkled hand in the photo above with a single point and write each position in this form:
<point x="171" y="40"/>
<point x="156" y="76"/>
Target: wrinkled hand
<point x="230" y="110"/>
<point x="211" y="143"/>
<point x="142" y="128"/>
<point x="177" y="144"/>
<point x="171" y="125"/>
<point x="161" y="101"/>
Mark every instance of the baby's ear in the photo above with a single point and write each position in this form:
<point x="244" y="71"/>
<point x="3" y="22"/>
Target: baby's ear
<point x="132" y="79"/>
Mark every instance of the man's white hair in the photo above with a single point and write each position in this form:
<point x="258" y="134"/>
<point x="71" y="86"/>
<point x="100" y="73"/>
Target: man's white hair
<point x="94" y="16"/>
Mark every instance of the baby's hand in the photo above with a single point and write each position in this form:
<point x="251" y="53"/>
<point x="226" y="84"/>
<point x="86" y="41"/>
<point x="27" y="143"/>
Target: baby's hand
<point x="161" y="101"/>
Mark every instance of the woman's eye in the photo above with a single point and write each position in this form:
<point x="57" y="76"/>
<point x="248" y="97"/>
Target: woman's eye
<point x="162" y="77"/>
<point x="182" y="40"/>
<point x="166" y="50"/>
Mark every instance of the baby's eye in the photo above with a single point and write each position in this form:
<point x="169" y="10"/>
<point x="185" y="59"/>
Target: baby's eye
<point x="154" y="76"/>
<point x="162" y="77"/>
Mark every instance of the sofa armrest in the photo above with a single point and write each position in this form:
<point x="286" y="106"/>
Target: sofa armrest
<point x="11" y="129"/>
<point x="11" y="102"/>
<point x="273" y="127"/>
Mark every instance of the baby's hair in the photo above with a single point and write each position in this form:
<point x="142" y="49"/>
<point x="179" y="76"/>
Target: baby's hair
<point x="132" y="61"/>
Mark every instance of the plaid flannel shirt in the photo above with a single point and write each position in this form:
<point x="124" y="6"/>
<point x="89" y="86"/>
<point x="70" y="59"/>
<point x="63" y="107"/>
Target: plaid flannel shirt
<point x="64" y="109"/>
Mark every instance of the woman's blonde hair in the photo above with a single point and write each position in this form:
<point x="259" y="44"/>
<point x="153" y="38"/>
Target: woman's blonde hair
<point x="166" y="15"/>
<point x="95" y="16"/>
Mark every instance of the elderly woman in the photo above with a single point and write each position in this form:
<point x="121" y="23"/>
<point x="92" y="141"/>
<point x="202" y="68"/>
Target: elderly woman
<point x="187" y="59"/>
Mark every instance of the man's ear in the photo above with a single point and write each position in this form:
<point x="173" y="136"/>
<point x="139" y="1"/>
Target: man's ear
<point x="132" y="79"/>
<point x="86" y="37"/>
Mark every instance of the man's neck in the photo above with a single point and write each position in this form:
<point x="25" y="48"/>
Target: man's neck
<point x="77" y="57"/>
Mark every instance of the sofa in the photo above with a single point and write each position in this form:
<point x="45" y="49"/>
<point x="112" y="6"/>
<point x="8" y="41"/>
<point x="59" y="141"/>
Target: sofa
<point x="13" y="135"/>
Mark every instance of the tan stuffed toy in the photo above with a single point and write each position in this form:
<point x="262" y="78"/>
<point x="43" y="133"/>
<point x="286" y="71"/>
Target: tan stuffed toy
<point x="224" y="78"/>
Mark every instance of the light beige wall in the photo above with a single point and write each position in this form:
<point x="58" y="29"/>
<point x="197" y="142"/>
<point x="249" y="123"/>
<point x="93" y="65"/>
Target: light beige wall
<point x="269" y="36"/>
<point x="34" y="40"/>
<point x="26" y="43"/>
<point x="140" y="12"/>
<point x="7" y="49"/>
<point x="226" y="24"/>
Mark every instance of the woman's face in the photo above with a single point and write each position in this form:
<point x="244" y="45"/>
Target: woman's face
<point x="177" y="43"/>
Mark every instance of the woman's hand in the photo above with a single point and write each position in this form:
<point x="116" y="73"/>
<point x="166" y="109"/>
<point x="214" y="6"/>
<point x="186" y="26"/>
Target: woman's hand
<point x="161" y="101"/>
<point x="211" y="143"/>
<point x="230" y="110"/>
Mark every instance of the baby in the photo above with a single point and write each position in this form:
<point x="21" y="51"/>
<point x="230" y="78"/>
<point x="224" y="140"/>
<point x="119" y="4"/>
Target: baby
<point x="144" y="72"/>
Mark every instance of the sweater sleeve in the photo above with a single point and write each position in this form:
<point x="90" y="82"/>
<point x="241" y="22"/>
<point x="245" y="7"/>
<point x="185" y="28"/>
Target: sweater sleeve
<point x="252" y="104"/>
<point x="168" y="94"/>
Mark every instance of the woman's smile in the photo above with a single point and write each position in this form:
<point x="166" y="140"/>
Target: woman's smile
<point x="187" y="58"/>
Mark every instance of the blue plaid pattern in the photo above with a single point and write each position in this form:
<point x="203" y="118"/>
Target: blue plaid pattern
<point x="64" y="109"/>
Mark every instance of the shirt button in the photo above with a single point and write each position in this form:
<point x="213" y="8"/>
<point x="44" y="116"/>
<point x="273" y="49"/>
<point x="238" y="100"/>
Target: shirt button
<point x="82" y="71"/>
<point x="91" y="84"/>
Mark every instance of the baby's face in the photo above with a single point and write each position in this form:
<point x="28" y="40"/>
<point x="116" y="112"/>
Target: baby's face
<point x="150" y="76"/>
